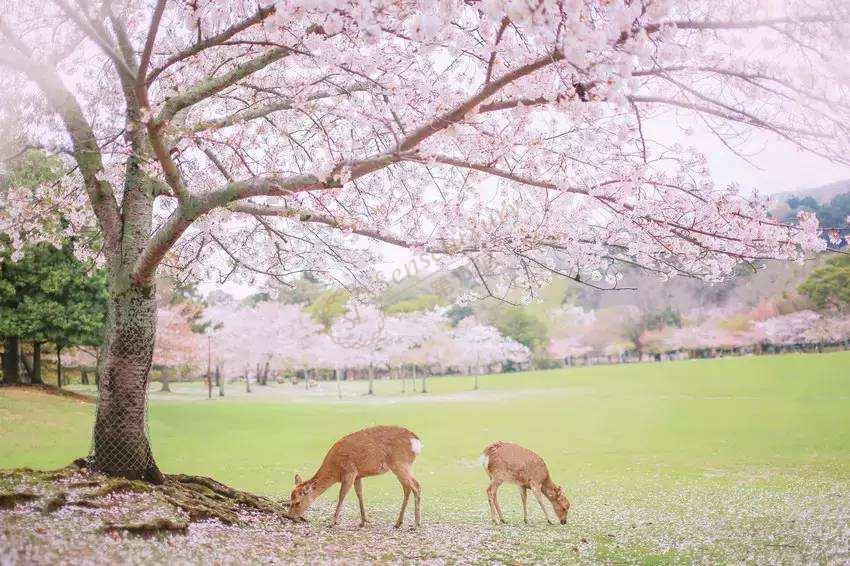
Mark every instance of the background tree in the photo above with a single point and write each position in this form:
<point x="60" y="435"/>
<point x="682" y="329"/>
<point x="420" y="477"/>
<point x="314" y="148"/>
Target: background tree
<point x="224" y="138"/>
<point x="828" y="287"/>
<point x="47" y="295"/>
<point x="831" y="215"/>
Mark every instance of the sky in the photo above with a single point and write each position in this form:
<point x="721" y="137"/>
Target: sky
<point x="774" y="165"/>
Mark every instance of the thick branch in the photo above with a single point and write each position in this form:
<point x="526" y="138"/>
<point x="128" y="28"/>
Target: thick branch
<point x="217" y="39"/>
<point x="211" y="86"/>
<point x="84" y="144"/>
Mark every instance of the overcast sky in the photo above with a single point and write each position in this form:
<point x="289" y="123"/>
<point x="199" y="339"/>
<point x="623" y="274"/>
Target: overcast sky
<point x="771" y="165"/>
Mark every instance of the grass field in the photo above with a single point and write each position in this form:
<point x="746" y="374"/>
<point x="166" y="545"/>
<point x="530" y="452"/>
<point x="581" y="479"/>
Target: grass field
<point x="737" y="459"/>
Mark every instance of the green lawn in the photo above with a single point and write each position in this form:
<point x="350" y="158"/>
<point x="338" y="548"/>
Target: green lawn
<point x="704" y="448"/>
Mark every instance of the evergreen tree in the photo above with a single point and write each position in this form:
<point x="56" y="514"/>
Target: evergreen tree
<point x="48" y="296"/>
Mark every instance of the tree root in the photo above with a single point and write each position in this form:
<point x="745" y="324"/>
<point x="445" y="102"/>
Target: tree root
<point x="154" y="526"/>
<point x="205" y="498"/>
<point x="55" y="502"/>
<point x="10" y="500"/>
<point x="118" y="485"/>
<point x="198" y="496"/>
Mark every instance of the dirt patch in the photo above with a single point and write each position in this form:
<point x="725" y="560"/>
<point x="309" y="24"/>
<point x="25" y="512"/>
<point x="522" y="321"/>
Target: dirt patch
<point x="47" y="390"/>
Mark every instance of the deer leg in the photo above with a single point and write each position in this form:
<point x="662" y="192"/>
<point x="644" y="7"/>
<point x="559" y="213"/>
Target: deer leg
<point x="489" y="492"/>
<point x="409" y="484"/>
<point x="539" y="496"/>
<point x="523" y="493"/>
<point x="492" y="492"/>
<point x="407" y="491"/>
<point x="345" y="486"/>
<point x="417" y="490"/>
<point x="358" y="489"/>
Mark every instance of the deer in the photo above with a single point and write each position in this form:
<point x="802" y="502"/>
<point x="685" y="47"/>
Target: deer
<point x="368" y="452"/>
<point x="509" y="462"/>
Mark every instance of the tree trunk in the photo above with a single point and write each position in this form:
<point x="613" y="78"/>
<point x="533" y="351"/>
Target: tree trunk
<point x="36" y="363"/>
<point x="59" y="366"/>
<point x="266" y="374"/>
<point x="11" y="363"/>
<point x="28" y="367"/>
<point x="403" y="375"/>
<point x="371" y="378"/>
<point x="424" y="385"/>
<point x="220" y="380"/>
<point x="84" y="376"/>
<point x="164" y="378"/>
<point x="413" y="376"/>
<point x="121" y="446"/>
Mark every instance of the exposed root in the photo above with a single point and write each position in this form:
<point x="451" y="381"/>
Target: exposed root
<point x="154" y="526"/>
<point x="55" y="502"/>
<point x="205" y="498"/>
<point x="118" y="485"/>
<point x="176" y="498"/>
<point x="9" y="500"/>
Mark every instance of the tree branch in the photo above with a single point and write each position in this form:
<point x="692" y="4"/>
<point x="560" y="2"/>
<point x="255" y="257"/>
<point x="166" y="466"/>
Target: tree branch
<point x="217" y="39"/>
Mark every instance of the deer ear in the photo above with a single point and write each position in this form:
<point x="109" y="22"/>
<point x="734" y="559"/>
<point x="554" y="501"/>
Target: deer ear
<point x="297" y="479"/>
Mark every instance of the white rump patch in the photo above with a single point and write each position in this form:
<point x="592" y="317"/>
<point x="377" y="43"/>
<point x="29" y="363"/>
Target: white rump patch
<point x="416" y="445"/>
<point x="485" y="460"/>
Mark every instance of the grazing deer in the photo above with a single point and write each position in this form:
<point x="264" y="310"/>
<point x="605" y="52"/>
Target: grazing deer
<point x="368" y="452"/>
<point x="508" y="462"/>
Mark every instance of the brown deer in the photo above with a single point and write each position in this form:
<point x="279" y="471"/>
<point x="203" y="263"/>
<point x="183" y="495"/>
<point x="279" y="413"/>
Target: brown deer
<point x="368" y="452"/>
<point x="508" y="462"/>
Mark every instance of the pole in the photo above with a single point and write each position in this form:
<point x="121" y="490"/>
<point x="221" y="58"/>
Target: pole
<point x="338" y="385"/>
<point x="209" y="367"/>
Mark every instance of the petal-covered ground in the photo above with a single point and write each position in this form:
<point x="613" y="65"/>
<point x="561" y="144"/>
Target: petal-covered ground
<point x="751" y="519"/>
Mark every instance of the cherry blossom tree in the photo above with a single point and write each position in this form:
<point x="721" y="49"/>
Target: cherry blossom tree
<point x="241" y="138"/>
<point x="176" y="343"/>
<point x="789" y="328"/>
<point x="481" y="345"/>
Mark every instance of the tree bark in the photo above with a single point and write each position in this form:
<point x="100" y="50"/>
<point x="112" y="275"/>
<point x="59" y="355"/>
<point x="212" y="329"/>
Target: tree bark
<point x="11" y="362"/>
<point x="36" y="363"/>
<point x="28" y="368"/>
<point x="59" y="366"/>
<point x="121" y="446"/>
<point x="220" y="380"/>
<point x="166" y="387"/>
<point x="84" y="376"/>
<point x="371" y="378"/>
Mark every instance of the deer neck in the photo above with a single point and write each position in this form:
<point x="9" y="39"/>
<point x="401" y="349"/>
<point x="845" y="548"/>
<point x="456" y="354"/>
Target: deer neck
<point x="323" y="479"/>
<point x="548" y="489"/>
